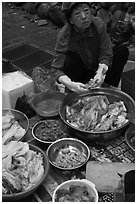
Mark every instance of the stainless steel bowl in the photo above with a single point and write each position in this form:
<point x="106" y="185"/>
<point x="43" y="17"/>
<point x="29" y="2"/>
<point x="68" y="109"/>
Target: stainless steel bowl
<point x="73" y="144"/>
<point x="112" y="95"/>
<point x="48" y="131"/>
<point x="46" y="104"/>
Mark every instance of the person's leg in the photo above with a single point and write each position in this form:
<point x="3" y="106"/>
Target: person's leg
<point x="120" y="57"/>
<point x="73" y="67"/>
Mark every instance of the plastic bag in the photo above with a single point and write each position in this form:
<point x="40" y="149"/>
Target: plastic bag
<point x="122" y="32"/>
<point x="22" y="104"/>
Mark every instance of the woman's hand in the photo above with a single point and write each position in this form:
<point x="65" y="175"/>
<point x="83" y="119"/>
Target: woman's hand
<point x="77" y="87"/>
<point x="73" y="86"/>
<point x="100" y="74"/>
<point x="99" y="79"/>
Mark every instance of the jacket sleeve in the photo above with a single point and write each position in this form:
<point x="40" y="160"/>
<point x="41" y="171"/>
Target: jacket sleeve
<point x="61" y="49"/>
<point x="106" y="53"/>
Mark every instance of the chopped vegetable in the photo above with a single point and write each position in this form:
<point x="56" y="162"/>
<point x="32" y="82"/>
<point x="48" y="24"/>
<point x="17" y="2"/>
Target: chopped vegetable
<point x="96" y="114"/>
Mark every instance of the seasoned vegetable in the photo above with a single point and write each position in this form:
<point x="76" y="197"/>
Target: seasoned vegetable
<point x="69" y="157"/>
<point x="96" y="114"/>
<point x="75" y="193"/>
<point x="49" y="130"/>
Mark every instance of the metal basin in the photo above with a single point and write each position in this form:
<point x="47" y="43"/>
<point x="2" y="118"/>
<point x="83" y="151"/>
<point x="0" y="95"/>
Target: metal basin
<point x="46" y="104"/>
<point x="113" y="95"/>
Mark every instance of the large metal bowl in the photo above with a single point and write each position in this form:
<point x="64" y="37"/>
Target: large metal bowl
<point x="113" y="95"/>
<point x="24" y="194"/>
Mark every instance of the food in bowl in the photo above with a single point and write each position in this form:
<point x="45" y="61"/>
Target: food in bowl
<point x="22" y="167"/>
<point x="75" y="190"/>
<point x="96" y="114"/>
<point x="75" y="193"/>
<point x="11" y="129"/>
<point x="48" y="104"/>
<point x="68" y="153"/>
<point x="49" y="131"/>
<point x="69" y="157"/>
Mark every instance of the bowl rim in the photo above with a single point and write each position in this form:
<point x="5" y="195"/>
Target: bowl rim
<point x="17" y="111"/>
<point x="82" y="181"/>
<point x="98" y="91"/>
<point x="16" y="196"/>
<point x="70" y="139"/>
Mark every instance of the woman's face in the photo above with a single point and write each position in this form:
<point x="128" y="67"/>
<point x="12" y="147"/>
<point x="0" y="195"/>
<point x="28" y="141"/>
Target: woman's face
<point x="81" y="16"/>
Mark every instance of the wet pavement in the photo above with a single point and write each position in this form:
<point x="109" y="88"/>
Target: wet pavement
<point x="16" y="28"/>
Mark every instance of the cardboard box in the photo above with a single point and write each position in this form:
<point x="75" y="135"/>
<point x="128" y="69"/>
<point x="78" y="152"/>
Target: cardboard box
<point x="14" y="84"/>
<point x="128" y="83"/>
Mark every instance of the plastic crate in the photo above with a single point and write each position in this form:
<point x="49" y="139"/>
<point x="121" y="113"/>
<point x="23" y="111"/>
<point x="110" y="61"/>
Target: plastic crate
<point x="8" y="67"/>
<point x="128" y="83"/>
<point x="27" y="63"/>
<point x="16" y="52"/>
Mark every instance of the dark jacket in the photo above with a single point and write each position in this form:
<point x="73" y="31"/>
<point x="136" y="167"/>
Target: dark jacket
<point x="93" y="46"/>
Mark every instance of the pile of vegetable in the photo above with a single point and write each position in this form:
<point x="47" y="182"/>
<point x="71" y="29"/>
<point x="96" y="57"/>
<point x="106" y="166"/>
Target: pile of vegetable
<point x="22" y="167"/>
<point x="96" y="114"/>
<point x="11" y="129"/>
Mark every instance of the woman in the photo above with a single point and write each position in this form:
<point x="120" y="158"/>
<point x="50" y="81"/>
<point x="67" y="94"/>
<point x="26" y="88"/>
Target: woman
<point x="84" y="51"/>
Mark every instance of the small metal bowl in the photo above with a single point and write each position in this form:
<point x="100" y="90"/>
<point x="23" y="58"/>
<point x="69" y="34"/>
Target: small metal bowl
<point x="73" y="145"/>
<point x="48" y="131"/>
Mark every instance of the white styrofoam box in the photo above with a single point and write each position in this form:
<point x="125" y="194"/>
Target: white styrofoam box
<point x="14" y="84"/>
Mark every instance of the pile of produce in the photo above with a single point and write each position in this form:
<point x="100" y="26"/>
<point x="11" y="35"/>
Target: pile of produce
<point x="96" y="114"/>
<point x="11" y="129"/>
<point x="22" y="167"/>
<point x="69" y="157"/>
